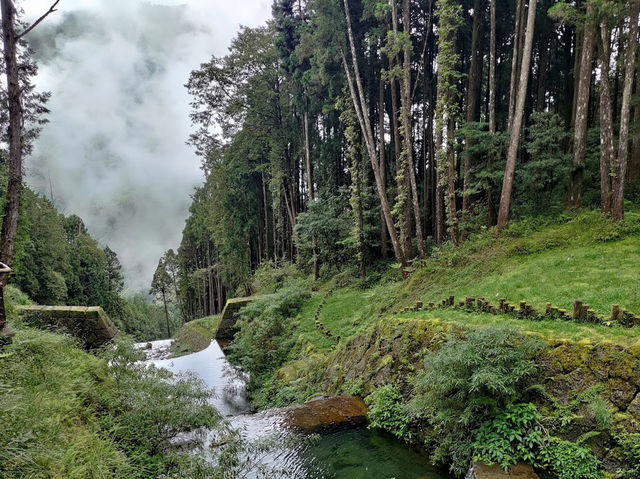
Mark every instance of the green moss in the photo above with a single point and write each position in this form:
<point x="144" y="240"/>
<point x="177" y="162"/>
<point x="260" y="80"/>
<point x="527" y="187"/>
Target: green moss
<point x="195" y="336"/>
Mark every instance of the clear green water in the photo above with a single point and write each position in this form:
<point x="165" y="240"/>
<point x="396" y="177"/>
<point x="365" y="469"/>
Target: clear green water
<point x="362" y="453"/>
<point x="350" y="454"/>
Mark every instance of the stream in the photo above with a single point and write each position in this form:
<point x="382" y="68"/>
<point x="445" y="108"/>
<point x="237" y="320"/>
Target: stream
<point x="356" y="453"/>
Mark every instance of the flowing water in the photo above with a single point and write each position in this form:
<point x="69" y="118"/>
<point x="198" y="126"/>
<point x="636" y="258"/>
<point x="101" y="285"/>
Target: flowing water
<point x="348" y="454"/>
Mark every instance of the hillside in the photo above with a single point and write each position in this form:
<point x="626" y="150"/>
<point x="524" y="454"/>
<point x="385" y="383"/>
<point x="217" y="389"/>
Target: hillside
<point x="351" y="336"/>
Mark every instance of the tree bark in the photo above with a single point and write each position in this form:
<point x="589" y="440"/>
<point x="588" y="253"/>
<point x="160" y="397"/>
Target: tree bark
<point x="307" y="154"/>
<point x="402" y="176"/>
<point x="166" y="312"/>
<point x="623" y="149"/>
<point x="383" y="167"/>
<point x="514" y="140"/>
<point x="607" y="145"/>
<point x="492" y="70"/>
<point x="407" y="126"/>
<point x="515" y="60"/>
<point x="362" y="112"/>
<point x="9" y="230"/>
<point x="451" y="183"/>
<point x="582" y="109"/>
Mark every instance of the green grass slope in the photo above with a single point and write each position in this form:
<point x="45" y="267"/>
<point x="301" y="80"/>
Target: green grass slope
<point x="577" y="256"/>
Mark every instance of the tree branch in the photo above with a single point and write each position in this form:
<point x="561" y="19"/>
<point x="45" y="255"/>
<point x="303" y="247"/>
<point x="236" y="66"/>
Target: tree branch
<point x="39" y="20"/>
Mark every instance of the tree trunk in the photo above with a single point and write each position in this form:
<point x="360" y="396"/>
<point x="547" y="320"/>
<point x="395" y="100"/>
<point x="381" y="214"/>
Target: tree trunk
<point x="166" y="313"/>
<point x="607" y="145"/>
<point x="402" y="179"/>
<point x="582" y="110"/>
<point x="492" y="70"/>
<point x="307" y="154"/>
<point x="452" y="209"/>
<point x="473" y="94"/>
<point x="518" y="117"/>
<point x="383" y="167"/>
<point x="407" y="126"/>
<point x="14" y="188"/>
<point x="516" y="60"/>
<point x="362" y="112"/>
<point x="623" y="148"/>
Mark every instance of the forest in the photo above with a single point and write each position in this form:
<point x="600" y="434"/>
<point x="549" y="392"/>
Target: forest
<point x="414" y="253"/>
<point x="346" y="134"/>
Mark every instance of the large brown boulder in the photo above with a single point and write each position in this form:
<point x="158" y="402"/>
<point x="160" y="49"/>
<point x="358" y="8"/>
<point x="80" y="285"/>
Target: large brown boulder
<point x="327" y="413"/>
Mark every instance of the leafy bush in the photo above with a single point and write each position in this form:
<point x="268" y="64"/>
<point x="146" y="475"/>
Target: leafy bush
<point x="265" y="338"/>
<point x="387" y="411"/>
<point x="149" y="408"/>
<point x="67" y="413"/>
<point x="566" y="460"/>
<point x="630" y="446"/>
<point x="470" y="381"/>
<point x="268" y="278"/>
<point x="513" y="436"/>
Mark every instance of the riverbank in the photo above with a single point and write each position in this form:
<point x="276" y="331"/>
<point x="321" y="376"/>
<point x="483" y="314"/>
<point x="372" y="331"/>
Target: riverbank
<point x="70" y="413"/>
<point x="349" y="336"/>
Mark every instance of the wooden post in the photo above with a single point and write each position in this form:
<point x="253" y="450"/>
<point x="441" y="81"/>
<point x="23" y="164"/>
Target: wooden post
<point x="577" y="309"/>
<point x="615" y="312"/>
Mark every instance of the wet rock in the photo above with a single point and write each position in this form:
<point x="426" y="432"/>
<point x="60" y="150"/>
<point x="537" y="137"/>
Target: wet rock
<point x="479" y="470"/>
<point x="326" y="414"/>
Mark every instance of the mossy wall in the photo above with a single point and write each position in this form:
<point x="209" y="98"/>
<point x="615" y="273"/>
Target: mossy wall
<point x="587" y="392"/>
<point x="91" y="325"/>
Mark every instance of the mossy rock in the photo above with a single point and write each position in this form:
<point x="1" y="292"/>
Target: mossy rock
<point x="620" y="392"/>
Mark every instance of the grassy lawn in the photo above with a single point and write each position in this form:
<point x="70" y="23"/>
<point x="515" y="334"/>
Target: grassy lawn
<point x="579" y="256"/>
<point x="553" y="331"/>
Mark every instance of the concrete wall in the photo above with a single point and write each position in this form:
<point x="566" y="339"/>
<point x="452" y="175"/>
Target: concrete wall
<point x="91" y="325"/>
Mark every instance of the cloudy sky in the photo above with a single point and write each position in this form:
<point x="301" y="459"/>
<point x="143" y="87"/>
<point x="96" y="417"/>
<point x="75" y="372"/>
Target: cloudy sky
<point x="114" y="151"/>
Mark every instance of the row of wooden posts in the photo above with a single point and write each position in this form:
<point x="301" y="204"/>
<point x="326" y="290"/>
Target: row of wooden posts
<point x="581" y="313"/>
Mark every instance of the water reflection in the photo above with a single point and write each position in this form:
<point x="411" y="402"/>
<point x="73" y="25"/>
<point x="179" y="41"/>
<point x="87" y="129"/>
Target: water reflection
<point x="351" y="454"/>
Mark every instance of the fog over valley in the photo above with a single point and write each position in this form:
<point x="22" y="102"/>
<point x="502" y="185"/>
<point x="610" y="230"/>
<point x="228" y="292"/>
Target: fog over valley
<point x="114" y="149"/>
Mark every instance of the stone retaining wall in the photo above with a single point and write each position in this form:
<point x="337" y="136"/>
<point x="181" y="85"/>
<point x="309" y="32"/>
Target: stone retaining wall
<point x="91" y="325"/>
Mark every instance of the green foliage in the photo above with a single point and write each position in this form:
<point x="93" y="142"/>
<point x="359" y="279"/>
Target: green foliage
<point x="265" y="335"/>
<point x="513" y="436"/>
<point x="630" y="446"/>
<point x="269" y="278"/>
<point x="567" y="460"/>
<point x="468" y="382"/>
<point x="387" y="411"/>
<point x="67" y="413"/>
<point x="542" y="181"/>
<point x="325" y="228"/>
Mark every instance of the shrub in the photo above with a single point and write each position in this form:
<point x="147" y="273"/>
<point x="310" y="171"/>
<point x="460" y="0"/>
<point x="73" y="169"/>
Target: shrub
<point x="566" y="460"/>
<point x="513" y="436"/>
<point x="630" y="446"/>
<point x="470" y="381"/>
<point x="387" y="411"/>
<point x="264" y="339"/>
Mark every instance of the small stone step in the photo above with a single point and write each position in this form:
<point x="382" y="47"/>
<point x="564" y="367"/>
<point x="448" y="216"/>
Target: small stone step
<point x="478" y="470"/>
